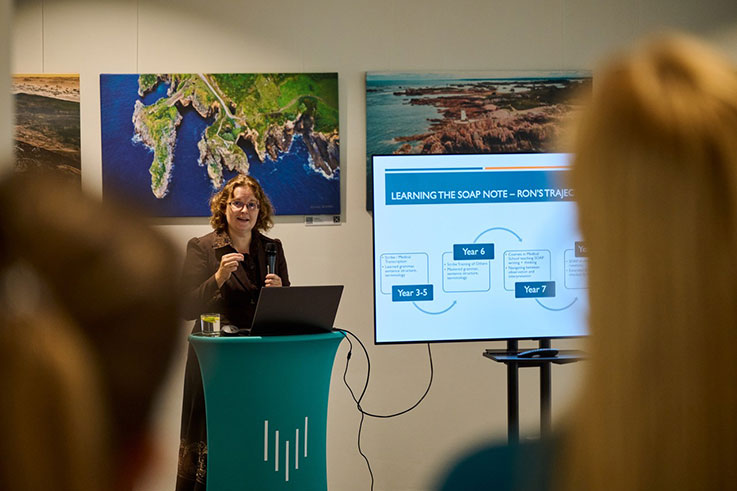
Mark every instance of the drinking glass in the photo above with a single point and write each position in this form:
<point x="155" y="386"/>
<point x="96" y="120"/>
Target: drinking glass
<point x="210" y="324"/>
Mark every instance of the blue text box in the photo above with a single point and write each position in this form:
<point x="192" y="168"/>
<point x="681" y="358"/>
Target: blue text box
<point x="412" y="293"/>
<point x="534" y="289"/>
<point x="473" y="252"/>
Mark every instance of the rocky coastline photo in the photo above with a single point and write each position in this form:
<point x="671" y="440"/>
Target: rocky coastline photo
<point x="465" y="113"/>
<point x="47" y="127"/>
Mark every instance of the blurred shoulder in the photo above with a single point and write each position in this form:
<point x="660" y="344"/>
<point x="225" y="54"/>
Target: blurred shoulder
<point x="503" y="467"/>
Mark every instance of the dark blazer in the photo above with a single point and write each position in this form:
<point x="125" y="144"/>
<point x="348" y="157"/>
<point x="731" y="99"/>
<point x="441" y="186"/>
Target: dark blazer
<point x="236" y="300"/>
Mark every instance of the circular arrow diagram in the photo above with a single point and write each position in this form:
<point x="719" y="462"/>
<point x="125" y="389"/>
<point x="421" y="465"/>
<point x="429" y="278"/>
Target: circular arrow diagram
<point x="434" y="313"/>
<point x="496" y="228"/>
<point x="555" y="310"/>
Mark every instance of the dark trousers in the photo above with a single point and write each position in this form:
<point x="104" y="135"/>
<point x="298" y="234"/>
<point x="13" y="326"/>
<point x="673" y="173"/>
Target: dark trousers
<point x="192" y="468"/>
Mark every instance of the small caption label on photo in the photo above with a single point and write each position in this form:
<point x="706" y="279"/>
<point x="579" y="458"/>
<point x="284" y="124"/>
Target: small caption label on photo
<point x="322" y="220"/>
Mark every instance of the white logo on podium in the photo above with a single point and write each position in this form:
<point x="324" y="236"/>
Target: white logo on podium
<point x="287" y="448"/>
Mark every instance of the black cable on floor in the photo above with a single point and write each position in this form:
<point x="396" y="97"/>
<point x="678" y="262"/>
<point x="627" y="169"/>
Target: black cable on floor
<point x="358" y="399"/>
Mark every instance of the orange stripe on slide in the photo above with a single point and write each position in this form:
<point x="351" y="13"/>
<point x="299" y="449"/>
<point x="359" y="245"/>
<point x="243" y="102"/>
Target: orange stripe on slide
<point x="523" y="168"/>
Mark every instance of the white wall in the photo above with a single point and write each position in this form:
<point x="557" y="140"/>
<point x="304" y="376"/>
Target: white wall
<point x="468" y="400"/>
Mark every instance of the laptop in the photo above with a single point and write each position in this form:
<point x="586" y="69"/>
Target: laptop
<point x="296" y="310"/>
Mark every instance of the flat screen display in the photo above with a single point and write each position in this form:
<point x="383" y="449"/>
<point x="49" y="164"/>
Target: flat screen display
<point x="476" y="247"/>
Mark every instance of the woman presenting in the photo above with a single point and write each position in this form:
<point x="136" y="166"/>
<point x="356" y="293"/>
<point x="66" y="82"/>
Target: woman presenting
<point x="223" y="272"/>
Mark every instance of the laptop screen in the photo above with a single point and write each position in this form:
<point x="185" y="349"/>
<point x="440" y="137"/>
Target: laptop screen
<point x="296" y="310"/>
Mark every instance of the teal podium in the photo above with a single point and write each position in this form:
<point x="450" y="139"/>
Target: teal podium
<point x="266" y="404"/>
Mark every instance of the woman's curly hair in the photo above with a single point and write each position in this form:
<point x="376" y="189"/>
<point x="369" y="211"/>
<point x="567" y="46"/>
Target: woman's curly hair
<point x="220" y="200"/>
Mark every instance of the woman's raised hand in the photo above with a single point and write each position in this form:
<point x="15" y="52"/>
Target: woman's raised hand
<point x="228" y="264"/>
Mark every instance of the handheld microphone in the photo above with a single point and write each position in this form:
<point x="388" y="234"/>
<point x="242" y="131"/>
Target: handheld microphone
<point x="270" y="258"/>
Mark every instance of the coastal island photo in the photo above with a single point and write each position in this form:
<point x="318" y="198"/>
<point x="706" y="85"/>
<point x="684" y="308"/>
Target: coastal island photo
<point x="171" y="140"/>
<point x="47" y="128"/>
<point x="466" y="112"/>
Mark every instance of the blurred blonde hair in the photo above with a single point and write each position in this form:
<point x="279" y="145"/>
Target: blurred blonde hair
<point x="655" y="174"/>
<point x="90" y="318"/>
<point x="54" y="421"/>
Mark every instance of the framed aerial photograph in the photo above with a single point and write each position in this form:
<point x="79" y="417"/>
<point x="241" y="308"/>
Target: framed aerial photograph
<point x="169" y="141"/>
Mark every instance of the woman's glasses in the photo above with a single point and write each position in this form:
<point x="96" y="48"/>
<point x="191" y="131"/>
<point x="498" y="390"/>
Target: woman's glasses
<point x="237" y="205"/>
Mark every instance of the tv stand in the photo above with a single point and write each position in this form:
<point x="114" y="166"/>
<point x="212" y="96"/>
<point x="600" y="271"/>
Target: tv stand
<point x="542" y="357"/>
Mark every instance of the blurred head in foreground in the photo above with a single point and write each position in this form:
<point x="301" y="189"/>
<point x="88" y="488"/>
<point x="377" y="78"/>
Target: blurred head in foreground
<point x="89" y="304"/>
<point x="655" y="174"/>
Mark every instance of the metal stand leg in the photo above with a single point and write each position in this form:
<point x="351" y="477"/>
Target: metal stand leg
<point x="545" y="398"/>
<point x="511" y="358"/>
<point x="512" y="396"/>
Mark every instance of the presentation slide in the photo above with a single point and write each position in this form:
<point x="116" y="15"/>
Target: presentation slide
<point x="476" y="247"/>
